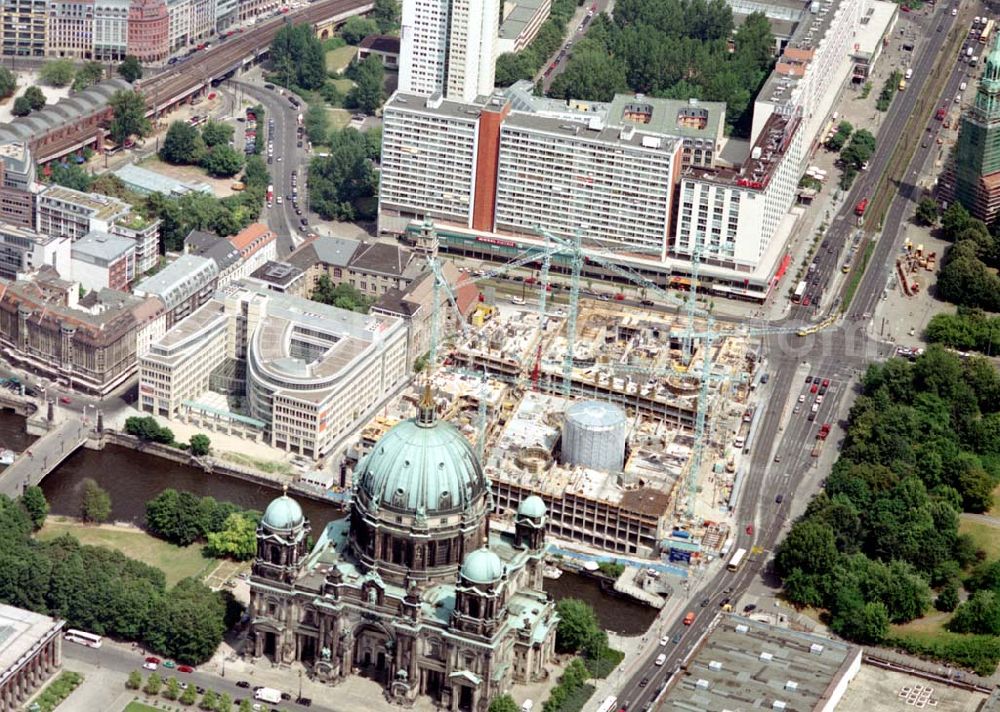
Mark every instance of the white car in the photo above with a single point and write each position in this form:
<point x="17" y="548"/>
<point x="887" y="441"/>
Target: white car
<point x="802" y="398"/>
<point x="819" y="399"/>
<point x="954" y="11"/>
<point x="278" y="200"/>
<point x="149" y="666"/>
<point x="664" y="640"/>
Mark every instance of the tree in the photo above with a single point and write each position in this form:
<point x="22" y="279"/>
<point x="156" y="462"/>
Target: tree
<point x="980" y="614"/>
<point x="72" y="176"/>
<point x="96" y="504"/>
<point x="88" y="75"/>
<point x="954" y="220"/>
<point x="190" y="695"/>
<point x="298" y="57"/>
<point x="860" y="150"/>
<point x="386" y="15"/>
<point x="246" y="706"/>
<point x="357" y="28"/>
<point x="577" y="625"/>
<point x="153" y="684"/>
<point x="503" y="703"/>
<point x="128" y="116"/>
<point x="590" y="75"/>
<point x="200" y="444"/>
<point x="183" y="145"/>
<point x="336" y="182"/>
<point x="237" y="540"/>
<point x="368" y="91"/>
<point x="215" y="133"/>
<point x="22" y="107"/>
<point x="134" y="681"/>
<point x="225" y="703"/>
<point x="188" y="625"/>
<point x="223" y="161"/>
<point x="927" y="212"/>
<point x="947" y="598"/>
<point x="342" y="296"/>
<point x="209" y="700"/>
<point x="173" y="689"/>
<point x="57" y="73"/>
<point x="130" y="69"/>
<point x="35" y="97"/>
<point x="8" y="83"/>
<point x="146" y="428"/>
<point x="317" y="124"/>
<point x="33" y="501"/>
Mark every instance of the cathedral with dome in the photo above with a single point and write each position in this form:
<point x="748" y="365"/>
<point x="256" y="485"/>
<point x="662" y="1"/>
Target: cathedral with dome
<point x="412" y="588"/>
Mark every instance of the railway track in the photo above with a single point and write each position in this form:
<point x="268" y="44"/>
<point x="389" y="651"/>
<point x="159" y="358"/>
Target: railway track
<point x="201" y="70"/>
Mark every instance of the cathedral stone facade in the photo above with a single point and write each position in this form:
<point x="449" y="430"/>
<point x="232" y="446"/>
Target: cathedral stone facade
<point x="411" y="589"/>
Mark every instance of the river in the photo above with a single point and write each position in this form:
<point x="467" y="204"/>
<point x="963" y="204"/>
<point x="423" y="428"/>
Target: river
<point x="132" y="478"/>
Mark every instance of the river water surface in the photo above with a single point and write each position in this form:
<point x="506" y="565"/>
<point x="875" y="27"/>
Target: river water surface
<point x="132" y="478"/>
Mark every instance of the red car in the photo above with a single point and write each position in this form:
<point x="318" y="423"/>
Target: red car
<point x="826" y="383"/>
<point x="151" y="659"/>
<point x="813" y="388"/>
<point x="64" y="400"/>
<point x="749" y="529"/>
<point x="185" y="668"/>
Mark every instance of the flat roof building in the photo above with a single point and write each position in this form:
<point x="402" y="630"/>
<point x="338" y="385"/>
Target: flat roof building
<point x="183" y="285"/>
<point x="521" y="21"/>
<point x="146" y="182"/>
<point x="24" y="250"/>
<point x="103" y="261"/>
<point x="749" y="664"/>
<point x="282" y="277"/>
<point x="313" y="373"/>
<point x="30" y="652"/>
<point x="64" y="211"/>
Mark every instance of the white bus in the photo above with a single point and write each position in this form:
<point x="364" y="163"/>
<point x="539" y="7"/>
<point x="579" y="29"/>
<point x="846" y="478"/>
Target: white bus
<point x="800" y="290"/>
<point x="83" y="638"/>
<point x="608" y="705"/>
<point x="734" y="563"/>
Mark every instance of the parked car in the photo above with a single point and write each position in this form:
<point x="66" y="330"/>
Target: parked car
<point x="185" y="668"/>
<point x="150" y="666"/>
<point x="151" y="659"/>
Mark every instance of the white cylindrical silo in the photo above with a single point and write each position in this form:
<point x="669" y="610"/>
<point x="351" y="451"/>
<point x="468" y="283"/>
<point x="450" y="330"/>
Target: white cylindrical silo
<point x="594" y="436"/>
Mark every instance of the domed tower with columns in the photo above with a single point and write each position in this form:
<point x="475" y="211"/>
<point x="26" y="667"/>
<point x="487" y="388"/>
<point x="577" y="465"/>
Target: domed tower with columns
<point x="412" y="588"/>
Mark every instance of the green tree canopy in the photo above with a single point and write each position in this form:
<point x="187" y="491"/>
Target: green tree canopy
<point x="57" y="73"/>
<point x="130" y="69"/>
<point x="357" y="28"/>
<point x="21" y="107"/>
<point x="336" y="182"/>
<point x="34" y="503"/>
<point x="927" y="212"/>
<point x="223" y="161"/>
<point x="503" y="703"/>
<point x="342" y="295"/>
<point x="236" y="540"/>
<point x="8" y="83"/>
<point x="368" y="91"/>
<point x="298" y="57"/>
<point x="182" y="145"/>
<point x="35" y="97"/>
<point x="88" y="75"/>
<point x="128" y="116"/>
<point x="200" y="444"/>
<point x="578" y="625"/>
<point x="386" y="15"/>
<point x="215" y="133"/>
<point x="188" y="626"/>
<point x="96" y="504"/>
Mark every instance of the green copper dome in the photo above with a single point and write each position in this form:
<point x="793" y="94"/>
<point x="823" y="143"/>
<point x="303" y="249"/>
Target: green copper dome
<point x="283" y="513"/>
<point x="422" y="466"/>
<point x="532" y="506"/>
<point x="482" y="566"/>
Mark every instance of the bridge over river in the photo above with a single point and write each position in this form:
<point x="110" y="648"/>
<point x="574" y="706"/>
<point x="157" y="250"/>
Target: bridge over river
<point x="44" y="455"/>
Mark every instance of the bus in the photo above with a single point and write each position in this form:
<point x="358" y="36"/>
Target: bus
<point x="987" y="32"/>
<point x="83" y="638"/>
<point x="800" y="291"/>
<point x="609" y="704"/>
<point x="734" y="563"/>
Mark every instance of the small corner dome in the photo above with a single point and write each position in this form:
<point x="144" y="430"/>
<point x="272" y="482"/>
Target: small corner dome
<point x="532" y="507"/>
<point x="283" y="513"/>
<point x="482" y="566"/>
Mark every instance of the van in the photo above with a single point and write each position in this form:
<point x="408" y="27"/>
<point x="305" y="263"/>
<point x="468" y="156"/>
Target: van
<point x="527" y="706"/>
<point x="961" y="87"/>
<point x="660" y="659"/>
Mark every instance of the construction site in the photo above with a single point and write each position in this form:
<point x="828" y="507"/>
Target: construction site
<point x="913" y="264"/>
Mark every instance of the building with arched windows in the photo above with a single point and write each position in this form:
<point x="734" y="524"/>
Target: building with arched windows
<point x="412" y="588"/>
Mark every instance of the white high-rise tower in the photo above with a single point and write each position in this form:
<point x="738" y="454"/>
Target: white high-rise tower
<point x="449" y="46"/>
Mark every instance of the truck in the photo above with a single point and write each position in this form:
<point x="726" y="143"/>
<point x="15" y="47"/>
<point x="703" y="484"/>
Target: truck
<point x="860" y="208"/>
<point x="270" y="193"/>
<point x="267" y="694"/>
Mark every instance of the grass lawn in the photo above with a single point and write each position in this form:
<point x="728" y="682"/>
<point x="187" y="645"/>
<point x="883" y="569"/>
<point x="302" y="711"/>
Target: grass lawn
<point x="983" y="535"/>
<point x="175" y="561"/>
<point x="139" y="707"/>
<point x="339" y="118"/>
<point x="930" y="624"/>
<point x="338" y="59"/>
<point x="343" y="85"/>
